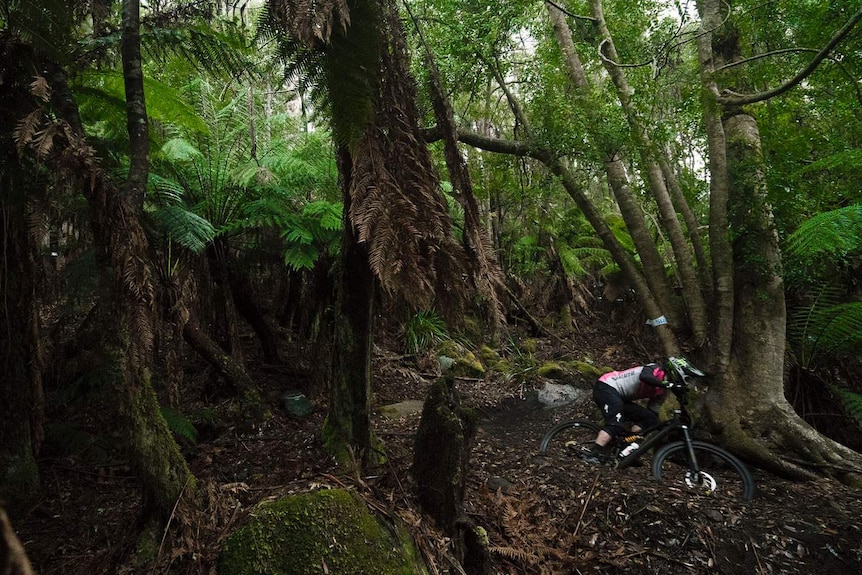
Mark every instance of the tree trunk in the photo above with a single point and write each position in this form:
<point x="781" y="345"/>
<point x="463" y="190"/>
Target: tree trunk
<point x="21" y="362"/>
<point x="223" y="300"/>
<point x="126" y="284"/>
<point x="628" y="265"/>
<point x="347" y="429"/>
<point x="251" y="399"/>
<point x="440" y="468"/>
<point x="653" y="175"/>
<point x="19" y="476"/>
<point x="243" y="299"/>
<point x="746" y="402"/>
<point x="654" y="275"/>
<point x="13" y="558"/>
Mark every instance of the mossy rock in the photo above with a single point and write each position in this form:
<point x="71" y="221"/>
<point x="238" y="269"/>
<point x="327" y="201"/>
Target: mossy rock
<point x="327" y="531"/>
<point x="552" y="370"/>
<point x="587" y="369"/>
<point x="466" y="363"/>
<point x="488" y="355"/>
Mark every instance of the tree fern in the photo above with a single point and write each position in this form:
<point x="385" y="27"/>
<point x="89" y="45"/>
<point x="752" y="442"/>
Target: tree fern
<point x="826" y="328"/>
<point x="183" y="227"/>
<point x="834" y="233"/>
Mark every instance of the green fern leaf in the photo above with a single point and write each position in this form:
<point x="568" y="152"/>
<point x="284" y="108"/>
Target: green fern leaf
<point x="179" y="424"/>
<point x="837" y="232"/>
<point x="300" y="256"/>
<point x="184" y="227"/>
<point x="852" y="402"/>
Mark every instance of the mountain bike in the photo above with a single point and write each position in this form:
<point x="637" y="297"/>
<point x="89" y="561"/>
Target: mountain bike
<point x="680" y="461"/>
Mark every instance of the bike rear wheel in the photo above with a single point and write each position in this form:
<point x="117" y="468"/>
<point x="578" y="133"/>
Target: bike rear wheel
<point x="574" y="433"/>
<point x="721" y="474"/>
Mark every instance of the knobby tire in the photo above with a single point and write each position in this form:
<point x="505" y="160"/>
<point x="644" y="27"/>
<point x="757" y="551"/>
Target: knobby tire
<point x="584" y="432"/>
<point x="670" y="465"/>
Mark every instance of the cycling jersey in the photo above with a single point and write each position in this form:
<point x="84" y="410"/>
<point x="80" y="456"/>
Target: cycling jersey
<point x="616" y="392"/>
<point x="646" y="382"/>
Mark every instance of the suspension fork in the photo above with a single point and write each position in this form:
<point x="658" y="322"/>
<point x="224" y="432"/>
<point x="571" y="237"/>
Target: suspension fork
<point x="692" y="458"/>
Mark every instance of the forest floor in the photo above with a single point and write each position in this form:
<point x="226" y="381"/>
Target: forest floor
<point x="543" y="515"/>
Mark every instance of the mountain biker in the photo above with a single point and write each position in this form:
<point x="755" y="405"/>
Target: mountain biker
<point x="616" y="394"/>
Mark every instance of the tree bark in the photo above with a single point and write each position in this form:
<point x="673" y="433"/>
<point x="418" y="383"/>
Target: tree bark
<point x="441" y="455"/>
<point x="13" y="558"/>
<point x="21" y="361"/>
<point x="655" y="177"/>
<point x="247" y="307"/>
<point x="251" y="399"/>
<point x="347" y="429"/>
<point x="19" y="475"/>
<point x="746" y="402"/>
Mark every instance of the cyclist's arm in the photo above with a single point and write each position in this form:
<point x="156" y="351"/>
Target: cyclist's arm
<point x="653" y="374"/>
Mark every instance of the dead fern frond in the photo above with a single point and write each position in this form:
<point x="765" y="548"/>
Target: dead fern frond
<point x="396" y="202"/>
<point x="25" y="130"/>
<point x="44" y="140"/>
<point x="40" y="88"/>
<point x="312" y="21"/>
<point x="516" y="554"/>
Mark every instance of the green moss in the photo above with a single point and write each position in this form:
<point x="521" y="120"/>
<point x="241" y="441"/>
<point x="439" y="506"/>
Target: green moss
<point x="466" y="363"/>
<point x="488" y="355"/>
<point x="528" y="345"/>
<point x="328" y="531"/>
<point x="482" y="536"/>
<point x="336" y="444"/>
<point x="552" y="370"/>
<point x="587" y="369"/>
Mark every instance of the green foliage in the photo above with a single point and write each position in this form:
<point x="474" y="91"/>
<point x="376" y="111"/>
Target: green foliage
<point x="834" y="233"/>
<point x="826" y="329"/>
<point x="49" y="24"/>
<point x="180" y="425"/>
<point x="104" y="97"/>
<point x="852" y="402"/>
<point x="424" y="330"/>
<point x="314" y="231"/>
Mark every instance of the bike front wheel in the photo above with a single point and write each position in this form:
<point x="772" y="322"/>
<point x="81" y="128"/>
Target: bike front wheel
<point x="720" y="473"/>
<point x="569" y="435"/>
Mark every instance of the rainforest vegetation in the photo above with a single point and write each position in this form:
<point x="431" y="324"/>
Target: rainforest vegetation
<point x="209" y="205"/>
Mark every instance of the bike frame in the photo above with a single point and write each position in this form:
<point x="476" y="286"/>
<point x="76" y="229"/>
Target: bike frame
<point x="654" y="434"/>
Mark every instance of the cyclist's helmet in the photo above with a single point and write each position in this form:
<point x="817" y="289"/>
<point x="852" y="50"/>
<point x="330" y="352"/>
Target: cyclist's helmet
<point x="678" y="370"/>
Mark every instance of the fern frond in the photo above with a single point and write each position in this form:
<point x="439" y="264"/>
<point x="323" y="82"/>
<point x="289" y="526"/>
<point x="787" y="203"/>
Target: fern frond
<point x="179" y="150"/>
<point x="845" y="161"/>
<point x="105" y="91"/>
<point x="515" y="554"/>
<point x="826" y="327"/>
<point x="852" y="402"/>
<point x="184" y="227"/>
<point x="179" y="424"/>
<point x="836" y="232"/>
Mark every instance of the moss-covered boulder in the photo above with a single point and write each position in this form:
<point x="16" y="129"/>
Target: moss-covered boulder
<point x="552" y="370"/>
<point x="328" y="531"/>
<point x="466" y="363"/>
<point x="588" y="370"/>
